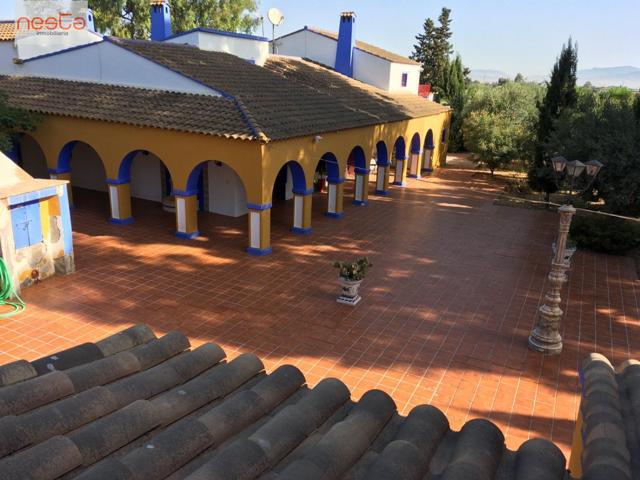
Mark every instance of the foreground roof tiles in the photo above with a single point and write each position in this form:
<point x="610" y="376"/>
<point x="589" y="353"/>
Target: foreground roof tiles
<point x="7" y="30"/>
<point x="610" y="411"/>
<point x="204" y="114"/>
<point x="133" y="406"/>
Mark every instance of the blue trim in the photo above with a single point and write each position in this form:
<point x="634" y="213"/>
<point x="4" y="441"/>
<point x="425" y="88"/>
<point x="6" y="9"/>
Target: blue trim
<point x="117" y="181"/>
<point x="336" y="181"/>
<point x="305" y="192"/>
<point x="59" y="52"/>
<point x="188" y="236"/>
<point x="185" y="193"/>
<point x="301" y="231"/>
<point x="218" y="32"/>
<point x="160" y="21"/>
<point x="361" y="203"/>
<point x="259" y="252"/>
<point x="334" y="215"/>
<point x="121" y="221"/>
<point x="400" y="184"/>
<point x="411" y="175"/>
<point x="257" y="206"/>
<point x="428" y="169"/>
<point x="362" y="171"/>
<point x="58" y="171"/>
<point x="31" y="197"/>
<point x="383" y="193"/>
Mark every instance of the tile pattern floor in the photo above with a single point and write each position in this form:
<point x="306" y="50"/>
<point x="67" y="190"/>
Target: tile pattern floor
<point x="448" y="304"/>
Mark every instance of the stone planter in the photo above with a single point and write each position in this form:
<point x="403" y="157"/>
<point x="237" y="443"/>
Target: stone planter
<point x="568" y="253"/>
<point x="349" y="291"/>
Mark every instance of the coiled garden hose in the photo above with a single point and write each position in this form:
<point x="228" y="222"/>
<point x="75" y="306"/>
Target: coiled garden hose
<point x="7" y="292"/>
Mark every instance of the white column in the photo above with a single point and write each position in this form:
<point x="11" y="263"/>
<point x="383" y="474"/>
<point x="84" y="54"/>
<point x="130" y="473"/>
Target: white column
<point x="254" y="240"/>
<point x="414" y="166"/>
<point x="382" y="170"/>
<point x="298" y="211"/>
<point x="332" y="192"/>
<point x="114" y="201"/>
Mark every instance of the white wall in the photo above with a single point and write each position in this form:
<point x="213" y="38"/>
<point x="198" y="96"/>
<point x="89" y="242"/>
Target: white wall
<point x="371" y="69"/>
<point x="146" y="177"/>
<point x="227" y="195"/>
<point x="7" y="54"/>
<point x="395" y="78"/>
<point x="309" y="45"/>
<point x="105" y="62"/>
<point x="35" y="45"/>
<point x="87" y="170"/>
<point x="249" y="49"/>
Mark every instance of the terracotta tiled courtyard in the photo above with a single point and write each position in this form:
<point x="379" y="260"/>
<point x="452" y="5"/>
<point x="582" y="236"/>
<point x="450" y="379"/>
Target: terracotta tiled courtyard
<point x="448" y="305"/>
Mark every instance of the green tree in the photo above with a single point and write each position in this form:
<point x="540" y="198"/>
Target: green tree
<point x="132" y="18"/>
<point x="12" y="121"/>
<point x="519" y="78"/>
<point x="499" y="123"/>
<point x="560" y="96"/>
<point x="604" y="125"/>
<point x="433" y="50"/>
<point x="454" y="93"/>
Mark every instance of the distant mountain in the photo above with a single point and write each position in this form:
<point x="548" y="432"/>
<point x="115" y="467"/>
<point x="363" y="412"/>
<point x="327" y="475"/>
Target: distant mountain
<point x="488" y="76"/>
<point x="611" y="77"/>
<point x="599" y="77"/>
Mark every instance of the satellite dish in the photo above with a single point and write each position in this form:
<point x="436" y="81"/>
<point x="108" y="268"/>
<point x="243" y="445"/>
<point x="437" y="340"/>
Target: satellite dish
<point x="275" y="17"/>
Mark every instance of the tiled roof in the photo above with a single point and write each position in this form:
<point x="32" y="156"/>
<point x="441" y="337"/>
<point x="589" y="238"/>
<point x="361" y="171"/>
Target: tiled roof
<point x="204" y="114"/>
<point x="289" y="97"/>
<point x="610" y="411"/>
<point x="133" y="406"/>
<point x="7" y="30"/>
<point x="367" y="47"/>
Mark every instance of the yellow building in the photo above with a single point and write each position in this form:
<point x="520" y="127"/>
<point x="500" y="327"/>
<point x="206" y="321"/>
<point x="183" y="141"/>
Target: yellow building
<point x="273" y="130"/>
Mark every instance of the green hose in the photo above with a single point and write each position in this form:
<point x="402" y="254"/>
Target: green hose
<point x="7" y="292"/>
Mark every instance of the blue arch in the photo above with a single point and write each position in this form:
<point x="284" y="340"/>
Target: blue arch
<point x="333" y="167"/>
<point x="415" y="143"/>
<point x="400" y="149"/>
<point x="64" y="158"/>
<point x="428" y="141"/>
<point x="124" y="171"/>
<point x="359" y="158"/>
<point x="382" y="154"/>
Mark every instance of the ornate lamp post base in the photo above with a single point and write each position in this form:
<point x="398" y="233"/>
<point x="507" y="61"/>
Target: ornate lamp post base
<point x="545" y="336"/>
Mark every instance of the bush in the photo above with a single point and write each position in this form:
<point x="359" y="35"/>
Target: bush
<point x="605" y="234"/>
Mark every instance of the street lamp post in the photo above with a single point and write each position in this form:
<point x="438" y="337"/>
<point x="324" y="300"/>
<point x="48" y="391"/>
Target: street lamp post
<point x="545" y="336"/>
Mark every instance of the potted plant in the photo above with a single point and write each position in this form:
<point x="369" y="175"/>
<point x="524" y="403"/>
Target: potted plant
<point x="350" y="276"/>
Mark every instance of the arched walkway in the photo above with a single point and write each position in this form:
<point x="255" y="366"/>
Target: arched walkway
<point x="427" y="155"/>
<point x="382" y="172"/>
<point x="27" y="153"/>
<point x="291" y="183"/>
<point x="414" y="158"/>
<point x="360" y="166"/>
<point x="144" y="177"/>
<point x="79" y="163"/>
<point x="399" y="159"/>
<point x="331" y="183"/>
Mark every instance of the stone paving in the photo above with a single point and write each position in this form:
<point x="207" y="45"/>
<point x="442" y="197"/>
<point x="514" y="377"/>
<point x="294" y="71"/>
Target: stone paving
<point x="446" y="313"/>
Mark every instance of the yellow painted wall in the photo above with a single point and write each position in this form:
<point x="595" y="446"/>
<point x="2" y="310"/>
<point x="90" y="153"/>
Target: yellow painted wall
<point x="182" y="152"/>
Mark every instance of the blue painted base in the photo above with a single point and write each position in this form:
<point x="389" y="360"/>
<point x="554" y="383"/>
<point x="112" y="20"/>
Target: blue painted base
<point x="411" y="175"/>
<point x="301" y="231"/>
<point x="121" y="221"/>
<point x="362" y="203"/>
<point x="399" y="184"/>
<point x="188" y="236"/>
<point x="259" y="252"/>
<point x="334" y="215"/>
<point x="427" y="170"/>
<point x="384" y="193"/>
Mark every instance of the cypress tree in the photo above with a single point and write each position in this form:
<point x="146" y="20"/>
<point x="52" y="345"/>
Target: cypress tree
<point x="424" y="52"/>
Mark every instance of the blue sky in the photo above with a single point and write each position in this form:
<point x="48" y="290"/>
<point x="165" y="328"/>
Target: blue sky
<point x="509" y="35"/>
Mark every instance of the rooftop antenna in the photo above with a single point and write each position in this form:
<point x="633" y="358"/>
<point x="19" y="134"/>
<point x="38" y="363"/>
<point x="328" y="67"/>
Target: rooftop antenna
<point x="276" y="18"/>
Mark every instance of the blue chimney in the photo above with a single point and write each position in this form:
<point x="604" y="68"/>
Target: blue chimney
<point x="91" y="26"/>
<point x="346" y="43"/>
<point x="160" y="20"/>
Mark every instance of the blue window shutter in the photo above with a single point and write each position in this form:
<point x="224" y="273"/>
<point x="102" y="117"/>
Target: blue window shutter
<point x="20" y="227"/>
<point x="34" y="226"/>
<point x="27" y="229"/>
